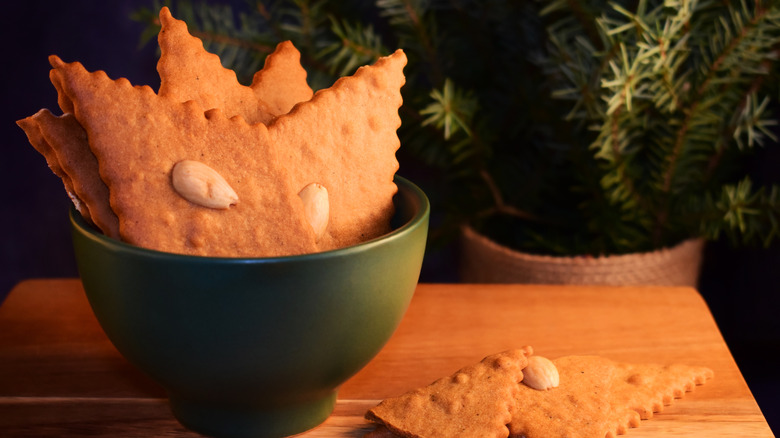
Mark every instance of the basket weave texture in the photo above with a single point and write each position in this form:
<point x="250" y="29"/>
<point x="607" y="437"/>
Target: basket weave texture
<point x="485" y="261"/>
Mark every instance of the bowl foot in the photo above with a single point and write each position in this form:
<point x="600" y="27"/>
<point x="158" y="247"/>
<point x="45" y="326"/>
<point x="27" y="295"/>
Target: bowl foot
<point x="221" y="421"/>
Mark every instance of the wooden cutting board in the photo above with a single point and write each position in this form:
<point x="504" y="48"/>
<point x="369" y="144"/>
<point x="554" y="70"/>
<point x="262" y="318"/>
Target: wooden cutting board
<point x="60" y="376"/>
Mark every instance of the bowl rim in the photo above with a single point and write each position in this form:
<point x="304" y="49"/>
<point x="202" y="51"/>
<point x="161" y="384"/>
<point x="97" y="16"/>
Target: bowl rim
<point x="80" y="226"/>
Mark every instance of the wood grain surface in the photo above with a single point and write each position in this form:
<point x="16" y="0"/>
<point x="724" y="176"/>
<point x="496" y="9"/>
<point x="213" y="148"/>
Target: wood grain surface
<point x="60" y="376"/>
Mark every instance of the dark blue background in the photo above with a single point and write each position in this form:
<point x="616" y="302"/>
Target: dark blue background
<point x="741" y="286"/>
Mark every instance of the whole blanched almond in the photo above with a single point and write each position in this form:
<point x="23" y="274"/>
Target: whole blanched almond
<point x="202" y="185"/>
<point x="540" y="373"/>
<point x="316" y="207"/>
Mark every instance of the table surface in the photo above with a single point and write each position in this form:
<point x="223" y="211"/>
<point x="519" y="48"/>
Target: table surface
<point x="60" y="376"/>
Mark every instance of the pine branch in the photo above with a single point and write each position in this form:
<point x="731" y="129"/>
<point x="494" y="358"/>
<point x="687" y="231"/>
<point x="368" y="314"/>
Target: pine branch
<point x="700" y="106"/>
<point x="355" y="45"/>
<point x="744" y="214"/>
<point x="583" y="14"/>
<point x="451" y="110"/>
<point x="408" y="16"/>
<point x="500" y="206"/>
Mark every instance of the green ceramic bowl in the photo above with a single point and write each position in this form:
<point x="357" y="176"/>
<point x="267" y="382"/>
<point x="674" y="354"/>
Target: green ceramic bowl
<point x="254" y="347"/>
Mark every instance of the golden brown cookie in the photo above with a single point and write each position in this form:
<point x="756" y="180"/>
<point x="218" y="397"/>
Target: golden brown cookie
<point x="474" y="402"/>
<point x="581" y="406"/>
<point x="345" y="139"/>
<point x="183" y="58"/>
<point x="63" y="100"/>
<point x="138" y="136"/>
<point x="647" y="388"/>
<point x="321" y="141"/>
<point x="66" y="143"/>
<point x="32" y="128"/>
<point x="282" y="81"/>
<point x="188" y="72"/>
<point x="260" y="160"/>
<point x="598" y="397"/>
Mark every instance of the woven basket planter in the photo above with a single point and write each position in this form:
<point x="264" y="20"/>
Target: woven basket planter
<point x="485" y="261"/>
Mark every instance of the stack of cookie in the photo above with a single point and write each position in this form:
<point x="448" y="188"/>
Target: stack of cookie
<point x="207" y="166"/>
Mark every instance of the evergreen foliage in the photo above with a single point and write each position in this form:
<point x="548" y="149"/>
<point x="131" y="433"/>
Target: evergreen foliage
<point x="559" y="126"/>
